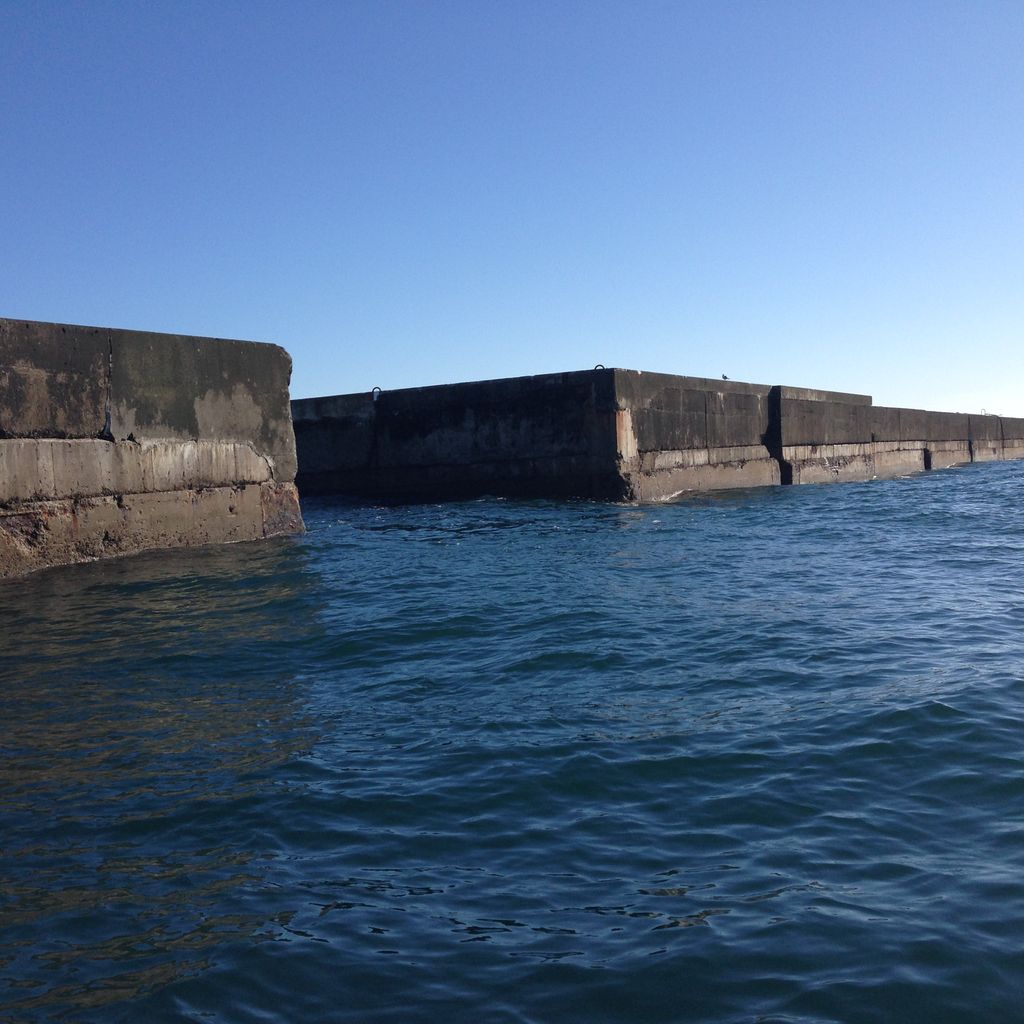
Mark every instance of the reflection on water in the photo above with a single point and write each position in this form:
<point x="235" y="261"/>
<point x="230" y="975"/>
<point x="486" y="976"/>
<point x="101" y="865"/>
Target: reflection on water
<point x="148" y="705"/>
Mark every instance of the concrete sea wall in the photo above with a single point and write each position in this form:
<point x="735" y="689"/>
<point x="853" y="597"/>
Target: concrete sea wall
<point x="621" y="435"/>
<point x="115" y="441"/>
<point x="677" y="434"/>
<point x="827" y="437"/>
<point x="544" y="436"/>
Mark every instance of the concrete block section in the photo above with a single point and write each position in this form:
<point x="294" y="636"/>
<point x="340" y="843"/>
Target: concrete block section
<point x="59" y="532"/>
<point x="671" y="413"/>
<point x="921" y="425"/>
<point x="986" y="437"/>
<point x="844" y="463"/>
<point x="34" y="470"/>
<point x="717" y="470"/>
<point x="676" y="420"/>
<point x="736" y="419"/>
<point x="944" y="454"/>
<point x="66" y="381"/>
<point x="985" y="429"/>
<point x="885" y="423"/>
<point x="150" y="422"/>
<point x="549" y="435"/>
<point x="948" y="426"/>
<point x="54" y="379"/>
<point x="34" y="535"/>
<point x="1013" y="449"/>
<point x="691" y="434"/>
<point x="166" y="387"/>
<point x="914" y="425"/>
<point x="1012" y="428"/>
<point x="821" y="421"/>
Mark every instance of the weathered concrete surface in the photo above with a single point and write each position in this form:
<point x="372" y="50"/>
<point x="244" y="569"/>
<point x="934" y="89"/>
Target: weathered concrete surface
<point x="64" y="381"/>
<point x="675" y="434"/>
<point x="826" y="436"/>
<point x="986" y="437"/>
<point x="43" y="469"/>
<point x="621" y="435"/>
<point x="617" y="435"/>
<point x="550" y="436"/>
<point x="867" y="441"/>
<point x="54" y="380"/>
<point x="114" y="441"/>
<point x="1013" y="437"/>
<point x="37" y="534"/>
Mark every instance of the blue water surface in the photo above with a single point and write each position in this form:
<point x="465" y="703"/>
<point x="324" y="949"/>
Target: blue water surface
<point x="750" y="756"/>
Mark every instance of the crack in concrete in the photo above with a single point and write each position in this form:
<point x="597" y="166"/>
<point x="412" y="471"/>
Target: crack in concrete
<point x="106" y="434"/>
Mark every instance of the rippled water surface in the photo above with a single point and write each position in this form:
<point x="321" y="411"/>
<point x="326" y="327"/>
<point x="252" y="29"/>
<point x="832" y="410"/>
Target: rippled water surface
<point x="755" y="756"/>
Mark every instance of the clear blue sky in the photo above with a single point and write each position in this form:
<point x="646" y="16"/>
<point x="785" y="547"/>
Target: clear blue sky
<point x="825" y="194"/>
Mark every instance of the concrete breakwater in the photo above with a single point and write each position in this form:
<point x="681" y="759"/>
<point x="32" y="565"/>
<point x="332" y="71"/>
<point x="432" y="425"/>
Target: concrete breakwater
<point x="114" y="441"/>
<point x="621" y="435"/>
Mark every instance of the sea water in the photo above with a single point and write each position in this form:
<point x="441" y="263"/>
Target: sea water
<point x="749" y="756"/>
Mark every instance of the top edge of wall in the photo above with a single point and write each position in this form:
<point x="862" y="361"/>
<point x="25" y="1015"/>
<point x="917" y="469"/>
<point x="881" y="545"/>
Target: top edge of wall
<point x="815" y="395"/>
<point x="302" y="405"/>
<point x="539" y="379"/>
<point x="11" y="325"/>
